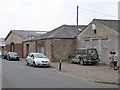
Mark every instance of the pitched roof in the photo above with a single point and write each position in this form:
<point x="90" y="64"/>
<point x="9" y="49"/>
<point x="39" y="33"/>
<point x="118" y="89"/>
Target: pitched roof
<point x="26" y="33"/>
<point x="110" y="23"/>
<point x="64" y="31"/>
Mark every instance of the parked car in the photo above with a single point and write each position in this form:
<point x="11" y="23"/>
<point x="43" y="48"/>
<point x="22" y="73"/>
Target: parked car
<point x="4" y="55"/>
<point x="12" y="56"/>
<point x="37" y="59"/>
<point x="84" y="56"/>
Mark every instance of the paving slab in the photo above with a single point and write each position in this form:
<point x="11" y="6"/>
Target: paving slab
<point x="98" y="73"/>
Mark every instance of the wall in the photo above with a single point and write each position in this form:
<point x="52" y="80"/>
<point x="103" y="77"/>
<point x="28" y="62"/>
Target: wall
<point x="14" y="38"/>
<point x="54" y="49"/>
<point x="32" y="47"/>
<point x="18" y="46"/>
<point x="102" y="32"/>
<point x="62" y="48"/>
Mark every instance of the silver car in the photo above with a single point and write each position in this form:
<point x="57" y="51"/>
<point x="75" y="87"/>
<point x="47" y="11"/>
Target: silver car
<point x="37" y="59"/>
<point x="13" y="56"/>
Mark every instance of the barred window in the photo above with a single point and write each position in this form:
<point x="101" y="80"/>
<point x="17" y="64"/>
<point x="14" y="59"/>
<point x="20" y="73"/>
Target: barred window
<point x="104" y="43"/>
<point x="88" y="44"/>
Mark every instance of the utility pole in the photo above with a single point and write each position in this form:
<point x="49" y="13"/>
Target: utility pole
<point x="77" y="15"/>
<point x="76" y="37"/>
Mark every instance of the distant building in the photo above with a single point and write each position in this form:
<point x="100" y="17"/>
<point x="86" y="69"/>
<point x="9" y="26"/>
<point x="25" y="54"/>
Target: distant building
<point x="14" y="39"/>
<point x="2" y="44"/>
<point x="102" y="35"/>
<point x="56" y="44"/>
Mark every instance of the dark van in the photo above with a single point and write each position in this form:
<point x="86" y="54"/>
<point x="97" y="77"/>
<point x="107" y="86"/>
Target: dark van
<point x="84" y="56"/>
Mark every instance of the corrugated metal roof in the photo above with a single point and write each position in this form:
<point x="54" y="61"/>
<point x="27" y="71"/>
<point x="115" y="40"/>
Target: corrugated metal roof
<point x="26" y="33"/>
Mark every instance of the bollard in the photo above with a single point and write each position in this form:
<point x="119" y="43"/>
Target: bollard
<point x="60" y="65"/>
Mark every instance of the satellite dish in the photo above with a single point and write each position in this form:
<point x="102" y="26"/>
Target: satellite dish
<point x="79" y="29"/>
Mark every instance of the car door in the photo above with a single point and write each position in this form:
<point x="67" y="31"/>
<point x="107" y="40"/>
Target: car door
<point x="75" y="59"/>
<point x="29" y="58"/>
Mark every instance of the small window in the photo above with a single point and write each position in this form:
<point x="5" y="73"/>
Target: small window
<point x="83" y="52"/>
<point x="95" y="43"/>
<point x="104" y="43"/>
<point x="78" y="52"/>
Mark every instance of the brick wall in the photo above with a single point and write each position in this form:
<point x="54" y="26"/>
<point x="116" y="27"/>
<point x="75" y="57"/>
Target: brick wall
<point x="32" y="47"/>
<point x="17" y="48"/>
<point x="54" y="49"/>
<point x="62" y="48"/>
<point x="7" y="48"/>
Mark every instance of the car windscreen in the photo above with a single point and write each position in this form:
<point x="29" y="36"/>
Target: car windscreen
<point x="13" y="54"/>
<point x="4" y="52"/>
<point x="81" y="52"/>
<point x="0" y="52"/>
<point x="40" y="55"/>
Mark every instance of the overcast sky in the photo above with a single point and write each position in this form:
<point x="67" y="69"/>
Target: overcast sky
<point x="46" y="15"/>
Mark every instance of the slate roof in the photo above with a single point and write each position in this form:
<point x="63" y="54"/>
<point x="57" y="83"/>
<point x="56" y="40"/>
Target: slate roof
<point x="26" y="33"/>
<point x="110" y="23"/>
<point x="64" y="31"/>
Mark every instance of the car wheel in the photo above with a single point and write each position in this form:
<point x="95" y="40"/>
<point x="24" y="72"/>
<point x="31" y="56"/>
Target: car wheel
<point x="27" y="62"/>
<point x="18" y="59"/>
<point x="70" y="61"/>
<point x="81" y="62"/>
<point x="9" y="58"/>
<point x="93" y="63"/>
<point x="34" y="64"/>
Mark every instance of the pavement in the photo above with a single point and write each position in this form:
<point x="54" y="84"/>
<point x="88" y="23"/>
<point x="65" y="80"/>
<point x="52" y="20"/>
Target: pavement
<point x="97" y="73"/>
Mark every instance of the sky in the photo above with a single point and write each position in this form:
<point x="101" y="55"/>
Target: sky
<point x="46" y="15"/>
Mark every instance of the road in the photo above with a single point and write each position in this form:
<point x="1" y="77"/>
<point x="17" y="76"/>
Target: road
<point x="15" y="74"/>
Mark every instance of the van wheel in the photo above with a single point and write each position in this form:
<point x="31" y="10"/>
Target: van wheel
<point x="81" y="62"/>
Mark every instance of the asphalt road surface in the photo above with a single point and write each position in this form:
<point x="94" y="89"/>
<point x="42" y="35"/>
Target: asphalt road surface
<point x="15" y="74"/>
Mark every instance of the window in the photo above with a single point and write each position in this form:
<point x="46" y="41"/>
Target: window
<point x="104" y="43"/>
<point x="12" y="47"/>
<point x="83" y="52"/>
<point x="88" y="44"/>
<point x="95" y="43"/>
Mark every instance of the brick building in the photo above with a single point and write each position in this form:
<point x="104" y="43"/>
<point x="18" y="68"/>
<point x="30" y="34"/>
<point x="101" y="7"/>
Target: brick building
<point x="14" y="40"/>
<point x="56" y="44"/>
